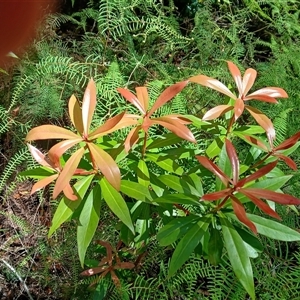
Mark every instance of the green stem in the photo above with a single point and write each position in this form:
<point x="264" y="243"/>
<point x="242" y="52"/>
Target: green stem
<point x="144" y="145"/>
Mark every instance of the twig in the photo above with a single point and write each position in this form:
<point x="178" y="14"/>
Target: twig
<point x="19" y="277"/>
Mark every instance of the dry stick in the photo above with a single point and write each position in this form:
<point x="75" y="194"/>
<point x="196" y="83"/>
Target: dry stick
<point x="19" y="277"/>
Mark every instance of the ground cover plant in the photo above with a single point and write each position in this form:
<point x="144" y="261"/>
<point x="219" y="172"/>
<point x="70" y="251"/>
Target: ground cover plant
<point x="200" y="220"/>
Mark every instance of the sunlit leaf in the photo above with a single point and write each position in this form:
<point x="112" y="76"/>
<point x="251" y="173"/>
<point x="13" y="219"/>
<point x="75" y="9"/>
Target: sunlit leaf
<point x="88" y="106"/>
<point x="88" y="221"/>
<point x="106" y="165"/>
<point x="75" y="114"/>
<point x="67" y="172"/>
<point x="273" y="229"/>
<point x="187" y="245"/>
<point x="213" y="84"/>
<point x="66" y="207"/>
<point x="238" y="256"/>
<point x="132" y="99"/>
<point x="46" y="132"/>
<point x="116" y="203"/>
<point x="167" y="95"/>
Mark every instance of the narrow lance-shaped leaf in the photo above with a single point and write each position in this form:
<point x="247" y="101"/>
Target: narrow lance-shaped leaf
<point x="205" y="162"/>
<point x="273" y="229"/>
<point x="132" y="99"/>
<point x="142" y="95"/>
<point x="75" y="114"/>
<point x="67" y="172"/>
<point x="116" y="203"/>
<point x="240" y="212"/>
<point x="39" y="156"/>
<point x="106" y="165"/>
<point x="248" y="80"/>
<point x="88" y="221"/>
<point x="176" y="128"/>
<point x="236" y="74"/>
<point x="238" y="256"/>
<point x="88" y="106"/>
<point x="187" y="245"/>
<point x="66" y="207"/>
<point x="216" y="112"/>
<point x="235" y="165"/>
<point x="213" y="84"/>
<point x="46" y="132"/>
<point x="167" y="95"/>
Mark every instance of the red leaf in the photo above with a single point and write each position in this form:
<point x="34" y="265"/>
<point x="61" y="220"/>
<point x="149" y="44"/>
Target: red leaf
<point x="256" y="142"/>
<point x="75" y="114"/>
<point x="109" y="126"/>
<point x="142" y="95"/>
<point x="42" y="183"/>
<point x="132" y="99"/>
<point x="289" y="142"/>
<point x="216" y="112"/>
<point x="88" y="106"/>
<point x="39" y="157"/>
<point x="240" y="212"/>
<point x="131" y="138"/>
<point x="236" y="74"/>
<point x="176" y="127"/>
<point x="167" y="95"/>
<point x="271" y="92"/>
<point x="67" y="172"/>
<point x="263" y="98"/>
<point x="69" y="193"/>
<point x="248" y="80"/>
<point x="106" y="165"/>
<point x="262" y="205"/>
<point x="273" y="196"/>
<point x="46" y="132"/>
<point x="213" y="84"/>
<point x="216" y="195"/>
<point x="287" y="160"/>
<point x="258" y="174"/>
<point x="238" y="108"/>
<point x="60" y="148"/>
<point x="234" y="161"/>
<point x="263" y="121"/>
<point x="206" y="163"/>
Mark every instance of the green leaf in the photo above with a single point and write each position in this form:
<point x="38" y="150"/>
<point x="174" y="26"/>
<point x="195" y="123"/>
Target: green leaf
<point x="215" y="247"/>
<point x="166" y="140"/>
<point x="251" y="242"/>
<point x="143" y="173"/>
<point x="194" y="180"/>
<point x="181" y="152"/>
<point x="187" y="245"/>
<point x="116" y="203"/>
<point x="215" y="147"/>
<point x="197" y="122"/>
<point x="248" y="130"/>
<point x="135" y="190"/>
<point x="273" y="229"/>
<point x="166" y="163"/>
<point x="225" y="166"/>
<point x="67" y="207"/>
<point x="178" y="199"/>
<point x="238" y="256"/>
<point x="178" y="184"/>
<point x="174" y="230"/>
<point x="37" y="173"/>
<point x="88" y="221"/>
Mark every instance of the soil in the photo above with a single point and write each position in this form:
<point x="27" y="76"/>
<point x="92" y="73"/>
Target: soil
<point x="23" y="222"/>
